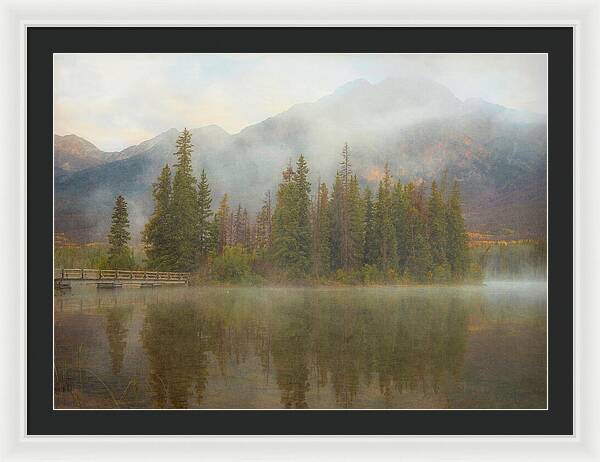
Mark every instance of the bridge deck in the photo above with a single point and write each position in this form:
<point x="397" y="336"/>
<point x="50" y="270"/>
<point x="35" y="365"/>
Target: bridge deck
<point x="133" y="276"/>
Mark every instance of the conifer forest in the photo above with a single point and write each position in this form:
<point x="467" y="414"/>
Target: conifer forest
<point x="303" y="232"/>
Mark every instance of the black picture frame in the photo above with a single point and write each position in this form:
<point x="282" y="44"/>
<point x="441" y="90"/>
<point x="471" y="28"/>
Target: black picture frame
<point x="42" y="42"/>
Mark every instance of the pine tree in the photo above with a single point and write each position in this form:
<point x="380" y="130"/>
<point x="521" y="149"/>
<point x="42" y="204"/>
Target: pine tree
<point x="238" y="227"/>
<point x="230" y="229"/>
<point x="285" y="222"/>
<point x="384" y="220"/>
<point x="370" y="248"/>
<point x="356" y="226"/>
<point x="346" y="251"/>
<point x="419" y="261"/>
<point x="304" y="234"/>
<point x="264" y="224"/>
<point x="157" y="235"/>
<point x="401" y="224"/>
<point x="291" y="222"/>
<point x="321" y="253"/>
<point x="205" y="242"/>
<point x="337" y="222"/>
<point x="246" y="231"/>
<point x="184" y="206"/>
<point x="457" y="237"/>
<point x="222" y="225"/>
<point x="437" y="233"/>
<point x="119" y="253"/>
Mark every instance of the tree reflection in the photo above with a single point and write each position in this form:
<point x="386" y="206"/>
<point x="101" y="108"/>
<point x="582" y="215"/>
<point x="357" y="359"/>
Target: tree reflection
<point x="290" y="354"/>
<point x="173" y="337"/>
<point x="117" y="328"/>
<point x="306" y="341"/>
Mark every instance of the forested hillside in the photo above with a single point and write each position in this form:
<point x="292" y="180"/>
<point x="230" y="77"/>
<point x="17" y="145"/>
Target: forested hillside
<point x="415" y="126"/>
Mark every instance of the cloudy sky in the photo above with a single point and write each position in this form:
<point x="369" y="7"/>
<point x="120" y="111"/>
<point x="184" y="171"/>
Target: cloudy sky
<point x="116" y="100"/>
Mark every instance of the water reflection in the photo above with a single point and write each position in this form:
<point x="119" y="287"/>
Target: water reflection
<point x="306" y="348"/>
<point x="117" y="328"/>
<point x="175" y="340"/>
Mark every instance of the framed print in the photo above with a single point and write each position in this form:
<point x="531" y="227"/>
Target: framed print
<point x="380" y="248"/>
<point x="301" y="231"/>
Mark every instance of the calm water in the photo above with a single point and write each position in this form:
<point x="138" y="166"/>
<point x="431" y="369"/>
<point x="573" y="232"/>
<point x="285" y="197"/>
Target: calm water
<point x="391" y="347"/>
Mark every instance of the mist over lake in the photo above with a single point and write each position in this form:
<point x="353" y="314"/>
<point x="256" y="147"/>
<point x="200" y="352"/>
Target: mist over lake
<point x="380" y="347"/>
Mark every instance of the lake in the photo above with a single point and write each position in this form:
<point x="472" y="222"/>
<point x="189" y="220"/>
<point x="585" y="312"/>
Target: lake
<point x="425" y="347"/>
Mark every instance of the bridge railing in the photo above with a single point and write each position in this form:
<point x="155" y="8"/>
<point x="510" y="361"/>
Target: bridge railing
<point x="133" y="275"/>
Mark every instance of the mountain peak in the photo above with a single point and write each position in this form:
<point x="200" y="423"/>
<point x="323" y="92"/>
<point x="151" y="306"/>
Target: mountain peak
<point x="212" y="129"/>
<point x="353" y="85"/>
<point x="73" y="144"/>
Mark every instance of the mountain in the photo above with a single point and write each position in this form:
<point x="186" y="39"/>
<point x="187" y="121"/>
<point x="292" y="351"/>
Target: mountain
<point x="415" y="125"/>
<point x="73" y="153"/>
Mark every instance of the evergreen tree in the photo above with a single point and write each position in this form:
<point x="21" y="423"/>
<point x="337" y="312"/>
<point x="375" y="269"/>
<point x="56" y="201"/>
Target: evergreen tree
<point x="304" y="234"/>
<point x="401" y="224"/>
<point x="119" y="253"/>
<point x="457" y="236"/>
<point x="291" y="222"/>
<point x="205" y="242"/>
<point x="222" y="227"/>
<point x="230" y="229"/>
<point x="184" y="206"/>
<point x="346" y="250"/>
<point x="337" y="222"/>
<point x="285" y="219"/>
<point x="246" y="231"/>
<point x="384" y="220"/>
<point x="264" y="224"/>
<point x="157" y="235"/>
<point x="321" y="253"/>
<point x="238" y="227"/>
<point x="356" y="231"/>
<point x="370" y="248"/>
<point x="419" y="261"/>
<point x="437" y="233"/>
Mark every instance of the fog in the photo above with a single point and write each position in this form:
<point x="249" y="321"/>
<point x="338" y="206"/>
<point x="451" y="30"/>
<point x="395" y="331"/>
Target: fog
<point x="117" y="100"/>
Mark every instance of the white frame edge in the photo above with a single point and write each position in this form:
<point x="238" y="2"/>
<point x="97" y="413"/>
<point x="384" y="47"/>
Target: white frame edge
<point x="16" y="16"/>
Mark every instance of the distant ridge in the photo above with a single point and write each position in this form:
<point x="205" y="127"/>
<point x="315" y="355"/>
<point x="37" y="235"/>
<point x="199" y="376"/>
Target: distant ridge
<point x="415" y="125"/>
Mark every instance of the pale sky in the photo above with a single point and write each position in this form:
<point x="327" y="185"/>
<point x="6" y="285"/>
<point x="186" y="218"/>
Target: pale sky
<point x="117" y="100"/>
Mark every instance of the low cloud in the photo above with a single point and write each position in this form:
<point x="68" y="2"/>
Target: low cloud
<point x="116" y="100"/>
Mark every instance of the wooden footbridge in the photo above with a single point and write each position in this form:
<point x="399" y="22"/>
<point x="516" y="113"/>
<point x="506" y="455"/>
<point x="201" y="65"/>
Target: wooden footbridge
<point x="117" y="278"/>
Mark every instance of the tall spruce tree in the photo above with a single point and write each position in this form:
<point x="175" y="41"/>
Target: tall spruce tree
<point x="337" y="222"/>
<point x="401" y="210"/>
<point x="321" y="253"/>
<point x="246" y="241"/>
<point x="437" y="232"/>
<point x="302" y="192"/>
<point x="370" y="248"/>
<point x="419" y="261"/>
<point x="346" y="250"/>
<point x="285" y="222"/>
<point x="205" y="242"/>
<point x="238" y="227"/>
<point x="157" y="235"/>
<point x="264" y="224"/>
<point x="291" y="222"/>
<point x="356" y="217"/>
<point x="384" y="219"/>
<point x="184" y="206"/>
<point x="119" y="253"/>
<point x="222" y="225"/>
<point x="457" y="236"/>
